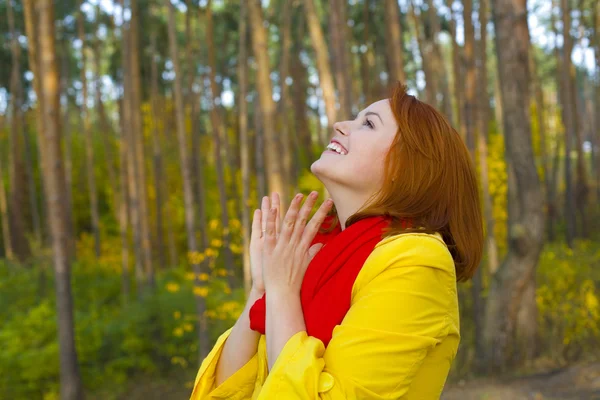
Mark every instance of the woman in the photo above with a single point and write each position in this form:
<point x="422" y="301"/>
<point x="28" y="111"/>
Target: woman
<point x="374" y="314"/>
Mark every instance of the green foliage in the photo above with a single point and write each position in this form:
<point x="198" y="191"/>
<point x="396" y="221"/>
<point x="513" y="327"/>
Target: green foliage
<point x="151" y="336"/>
<point x="568" y="299"/>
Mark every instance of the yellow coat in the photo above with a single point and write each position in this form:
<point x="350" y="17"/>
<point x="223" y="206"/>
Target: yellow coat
<point x="397" y="340"/>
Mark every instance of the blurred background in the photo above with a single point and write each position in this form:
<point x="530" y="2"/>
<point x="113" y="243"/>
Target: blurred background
<point x="137" y="137"/>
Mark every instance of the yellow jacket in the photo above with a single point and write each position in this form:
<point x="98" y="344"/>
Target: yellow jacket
<point x="397" y="340"/>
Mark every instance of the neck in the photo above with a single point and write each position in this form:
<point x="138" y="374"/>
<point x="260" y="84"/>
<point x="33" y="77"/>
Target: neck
<point x="347" y="202"/>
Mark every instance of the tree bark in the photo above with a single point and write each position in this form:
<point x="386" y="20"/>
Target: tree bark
<point x="285" y="105"/>
<point x="6" y="240"/>
<point x="70" y="381"/>
<point x="16" y="167"/>
<point x="457" y="74"/>
<point x="159" y="178"/>
<point x="340" y="56"/>
<point x="395" y="47"/>
<point x="87" y="130"/>
<point x="217" y="135"/>
<point x="138" y="136"/>
<point x="132" y="173"/>
<point x="322" y="61"/>
<point x="469" y="110"/>
<point x="445" y="103"/>
<point x="527" y="229"/>
<point x="273" y="164"/>
<point x="188" y="190"/>
<point x="242" y="70"/>
<point x="425" y="52"/>
<point x="569" y="124"/>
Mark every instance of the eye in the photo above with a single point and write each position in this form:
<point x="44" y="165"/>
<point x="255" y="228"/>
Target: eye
<point x="368" y="123"/>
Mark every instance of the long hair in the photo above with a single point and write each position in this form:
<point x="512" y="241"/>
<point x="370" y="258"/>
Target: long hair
<point x="429" y="180"/>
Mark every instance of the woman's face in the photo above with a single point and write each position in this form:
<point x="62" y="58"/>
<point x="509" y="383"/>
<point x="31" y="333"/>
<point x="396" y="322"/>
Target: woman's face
<point x="364" y="143"/>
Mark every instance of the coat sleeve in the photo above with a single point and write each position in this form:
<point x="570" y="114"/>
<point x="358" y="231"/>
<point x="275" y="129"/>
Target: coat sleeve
<point x="399" y="312"/>
<point x="240" y="385"/>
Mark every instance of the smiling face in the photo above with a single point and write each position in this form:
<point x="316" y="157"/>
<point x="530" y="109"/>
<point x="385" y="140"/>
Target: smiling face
<point x="356" y="154"/>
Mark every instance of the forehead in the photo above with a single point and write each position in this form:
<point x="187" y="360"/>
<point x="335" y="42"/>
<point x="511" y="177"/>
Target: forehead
<point x="381" y="107"/>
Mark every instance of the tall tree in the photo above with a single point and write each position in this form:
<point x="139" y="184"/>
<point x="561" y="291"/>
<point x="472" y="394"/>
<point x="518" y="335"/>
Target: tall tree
<point x="341" y="56"/>
<point x="425" y="52"/>
<point x="188" y="189"/>
<point x="322" y="60"/>
<point x="218" y="135"/>
<point x="8" y="251"/>
<point x="393" y="37"/>
<point x="569" y="123"/>
<point x="138" y="138"/>
<point x="87" y="130"/>
<point x="16" y="166"/>
<point x="70" y="380"/>
<point x="457" y="73"/>
<point x="242" y="71"/>
<point x="527" y="229"/>
<point x="273" y="163"/>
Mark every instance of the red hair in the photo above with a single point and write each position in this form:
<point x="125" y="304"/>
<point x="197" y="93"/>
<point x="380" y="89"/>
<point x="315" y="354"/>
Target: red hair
<point x="430" y="180"/>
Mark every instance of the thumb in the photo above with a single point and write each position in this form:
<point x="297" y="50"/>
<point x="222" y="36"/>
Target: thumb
<point x="312" y="252"/>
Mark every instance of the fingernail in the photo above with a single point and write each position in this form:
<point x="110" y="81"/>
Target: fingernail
<point x="329" y="202"/>
<point x="273" y="210"/>
<point x="314" y="195"/>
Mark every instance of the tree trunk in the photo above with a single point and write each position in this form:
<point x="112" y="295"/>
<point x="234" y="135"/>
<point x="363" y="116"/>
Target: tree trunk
<point x="285" y="105"/>
<point x="445" y="103"/>
<point x="70" y="381"/>
<point x="123" y="203"/>
<point x="8" y="250"/>
<point x="217" y="135"/>
<point x="322" y="61"/>
<point x="340" y="56"/>
<point x="596" y="38"/>
<point x="87" y="130"/>
<point x="68" y="137"/>
<point x="259" y="148"/>
<point x="138" y="135"/>
<point x="527" y="229"/>
<point x="242" y="70"/>
<point x="457" y="74"/>
<point x="16" y="167"/>
<point x="425" y="52"/>
<point x="190" y="222"/>
<point x="469" y="110"/>
<point x="132" y="173"/>
<point x="273" y="165"/>
<point x="157" y="155"/>
<point x="569" y="124"/>
<point x="540" y="107"/>
<point x="395" y="47"/>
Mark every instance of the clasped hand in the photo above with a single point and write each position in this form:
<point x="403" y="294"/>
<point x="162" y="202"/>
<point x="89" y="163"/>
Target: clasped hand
<point x="287" y="250"/>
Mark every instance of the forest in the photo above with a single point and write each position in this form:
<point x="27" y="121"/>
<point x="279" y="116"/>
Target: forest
<point x="138" y="136"/>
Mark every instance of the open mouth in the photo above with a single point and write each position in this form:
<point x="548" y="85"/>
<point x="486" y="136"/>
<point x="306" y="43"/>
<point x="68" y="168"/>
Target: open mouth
<point x="336" y="148"/>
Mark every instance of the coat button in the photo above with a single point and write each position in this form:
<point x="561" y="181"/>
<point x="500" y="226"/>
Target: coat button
<point x="325" y="382"/>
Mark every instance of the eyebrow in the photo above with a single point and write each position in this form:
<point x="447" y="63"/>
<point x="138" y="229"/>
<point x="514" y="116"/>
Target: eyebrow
<point x="374" y="113"/>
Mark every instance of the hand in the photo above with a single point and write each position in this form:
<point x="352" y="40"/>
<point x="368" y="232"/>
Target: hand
<point x="286" y="256"/>
<point x="257" y="237"/>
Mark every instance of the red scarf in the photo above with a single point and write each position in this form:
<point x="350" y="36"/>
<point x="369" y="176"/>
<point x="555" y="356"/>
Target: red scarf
<point x="327" y="286"/>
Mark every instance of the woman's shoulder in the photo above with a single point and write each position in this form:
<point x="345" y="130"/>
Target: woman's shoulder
<point x="408" y="250"/>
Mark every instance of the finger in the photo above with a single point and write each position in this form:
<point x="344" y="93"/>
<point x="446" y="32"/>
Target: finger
<point x="275" y="203"/>
<point x="290" y="217"/>
<point x="303" y="216"/>
<point x="264" y="208"/>
<point x="256" y="225"/>
<point x="270" y="238"/>
<point x="315" y="223"/>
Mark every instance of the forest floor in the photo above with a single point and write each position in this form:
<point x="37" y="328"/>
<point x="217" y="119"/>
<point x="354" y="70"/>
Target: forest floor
<point x="577" y="382"/>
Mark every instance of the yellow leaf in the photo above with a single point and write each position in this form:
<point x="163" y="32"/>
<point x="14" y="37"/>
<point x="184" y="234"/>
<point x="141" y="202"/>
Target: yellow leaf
<point x="201" y="291"/>
<point x="172" y="287"/>
<point x="203" y="276"/>
<point x="177" y="314"/>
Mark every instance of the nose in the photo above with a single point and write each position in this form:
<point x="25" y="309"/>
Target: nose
<point x="341" y="127"/>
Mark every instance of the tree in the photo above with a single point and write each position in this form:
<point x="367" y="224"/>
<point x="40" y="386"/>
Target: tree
<point x="16" y="167"/>
<point x="393" y="37"/>
<point x="322" y="60"/>
<point x="526" y="231"/>
<point x="188" y="190"/>
<point x="70" y="381"/>
<point x="273" y="163"/>
<point x="87" y="130"/>
<point x="340" y="55"/>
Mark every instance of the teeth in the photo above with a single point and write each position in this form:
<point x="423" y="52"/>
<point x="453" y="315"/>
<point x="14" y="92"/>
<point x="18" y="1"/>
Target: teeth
<point x="335" y="147"/>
